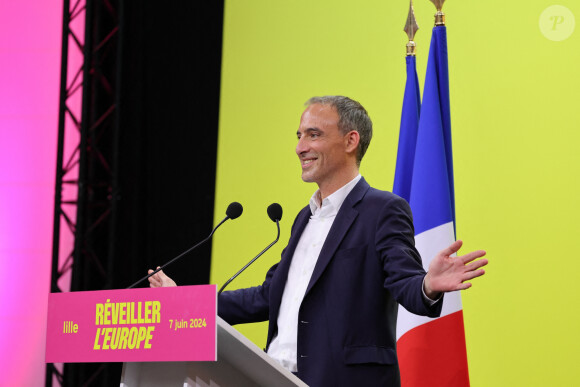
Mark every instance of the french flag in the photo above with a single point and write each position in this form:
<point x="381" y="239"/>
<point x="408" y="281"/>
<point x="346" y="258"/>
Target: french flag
<point x="431" y="352"/>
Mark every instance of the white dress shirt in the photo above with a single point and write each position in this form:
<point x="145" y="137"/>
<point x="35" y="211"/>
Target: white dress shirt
<point x="283" y="346"/>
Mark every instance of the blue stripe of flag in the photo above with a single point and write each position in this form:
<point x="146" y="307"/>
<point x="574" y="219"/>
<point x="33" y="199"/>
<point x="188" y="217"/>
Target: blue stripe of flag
<point x="432" y="195"/>
<point x="408" y="132"/>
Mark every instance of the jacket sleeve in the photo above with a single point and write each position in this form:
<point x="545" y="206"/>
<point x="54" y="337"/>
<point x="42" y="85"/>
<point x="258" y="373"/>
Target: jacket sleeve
<point x="246" y="305"/>
<point x="404" y="272"/>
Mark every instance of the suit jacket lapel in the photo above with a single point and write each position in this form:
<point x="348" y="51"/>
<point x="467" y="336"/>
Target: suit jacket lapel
<point x="344" y="219"/>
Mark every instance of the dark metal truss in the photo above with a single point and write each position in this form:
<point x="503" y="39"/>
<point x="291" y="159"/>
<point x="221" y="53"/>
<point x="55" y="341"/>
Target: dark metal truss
<point x="84" y="175"/>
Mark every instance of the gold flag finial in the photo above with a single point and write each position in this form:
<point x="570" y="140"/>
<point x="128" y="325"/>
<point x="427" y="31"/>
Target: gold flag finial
<point x="439" y="16"/>
<point x="411" y="28"/>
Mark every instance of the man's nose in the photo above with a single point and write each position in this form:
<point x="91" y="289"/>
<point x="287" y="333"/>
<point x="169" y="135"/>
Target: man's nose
<point x="302" y="146"/>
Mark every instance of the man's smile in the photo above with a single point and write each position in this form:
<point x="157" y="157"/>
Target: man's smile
<point x="307" y="162"/>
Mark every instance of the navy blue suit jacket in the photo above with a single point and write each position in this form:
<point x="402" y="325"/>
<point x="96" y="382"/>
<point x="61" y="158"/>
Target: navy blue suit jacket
<point x="347" y="320"/>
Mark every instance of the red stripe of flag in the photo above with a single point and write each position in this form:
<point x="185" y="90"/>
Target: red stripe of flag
<point x="445" y="338"/>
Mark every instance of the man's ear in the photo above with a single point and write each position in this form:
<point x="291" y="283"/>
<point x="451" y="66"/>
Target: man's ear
<point x="352" y="140"/>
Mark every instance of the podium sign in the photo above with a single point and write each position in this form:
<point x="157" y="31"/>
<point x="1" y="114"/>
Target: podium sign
<point x="133" y="325"/>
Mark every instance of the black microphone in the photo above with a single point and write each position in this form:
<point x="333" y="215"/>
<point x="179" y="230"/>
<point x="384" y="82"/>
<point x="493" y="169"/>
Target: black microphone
<point x="275" y="213"/>
<point x="233" y="211"/>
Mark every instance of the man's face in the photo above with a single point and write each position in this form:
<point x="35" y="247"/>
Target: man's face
<point x="321" y="147"/>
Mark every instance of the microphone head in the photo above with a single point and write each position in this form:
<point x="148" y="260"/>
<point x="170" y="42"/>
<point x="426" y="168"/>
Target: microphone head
<point x="275" y="212"/>
<point x="234" y="210"/>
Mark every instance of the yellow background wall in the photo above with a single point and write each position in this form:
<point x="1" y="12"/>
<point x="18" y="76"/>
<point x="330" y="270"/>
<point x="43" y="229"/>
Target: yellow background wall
<point x="515" y="121"/>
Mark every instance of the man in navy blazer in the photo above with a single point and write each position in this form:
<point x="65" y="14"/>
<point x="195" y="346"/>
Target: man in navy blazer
<point x="332" y="300"/>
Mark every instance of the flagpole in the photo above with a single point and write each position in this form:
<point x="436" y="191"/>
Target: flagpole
<point x="411" y="28"/>
<point x="439" y="16"/>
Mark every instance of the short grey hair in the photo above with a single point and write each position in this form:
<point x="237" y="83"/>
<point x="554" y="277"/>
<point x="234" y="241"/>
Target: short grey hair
<point x="352" y="116"/>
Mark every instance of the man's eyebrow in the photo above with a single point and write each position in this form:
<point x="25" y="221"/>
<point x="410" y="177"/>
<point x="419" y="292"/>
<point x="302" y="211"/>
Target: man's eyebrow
<point x="308" y="130"/>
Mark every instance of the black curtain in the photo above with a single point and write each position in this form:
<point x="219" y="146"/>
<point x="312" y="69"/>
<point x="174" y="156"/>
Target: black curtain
<point x="169" y="107"/>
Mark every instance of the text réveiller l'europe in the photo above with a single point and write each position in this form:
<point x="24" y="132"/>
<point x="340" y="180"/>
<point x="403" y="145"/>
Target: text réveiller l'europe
<point x="126" y="313"/>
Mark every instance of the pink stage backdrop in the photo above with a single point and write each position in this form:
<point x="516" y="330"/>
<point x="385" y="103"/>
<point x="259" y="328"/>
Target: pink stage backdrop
<point x="30" y="42"/>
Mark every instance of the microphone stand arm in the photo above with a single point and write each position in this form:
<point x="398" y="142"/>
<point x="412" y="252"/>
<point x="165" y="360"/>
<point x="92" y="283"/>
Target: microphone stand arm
<point x="180" y="255"/>
<point x="252" y="261"/>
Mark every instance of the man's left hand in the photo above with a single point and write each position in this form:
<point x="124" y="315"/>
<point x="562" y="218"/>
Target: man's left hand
<point x="448" y="274"/>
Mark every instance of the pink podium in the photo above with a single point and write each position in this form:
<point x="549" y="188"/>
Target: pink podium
<point x="164" y="337"/>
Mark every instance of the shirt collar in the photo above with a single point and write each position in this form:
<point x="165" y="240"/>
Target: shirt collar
<point x="331" y="204"/>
